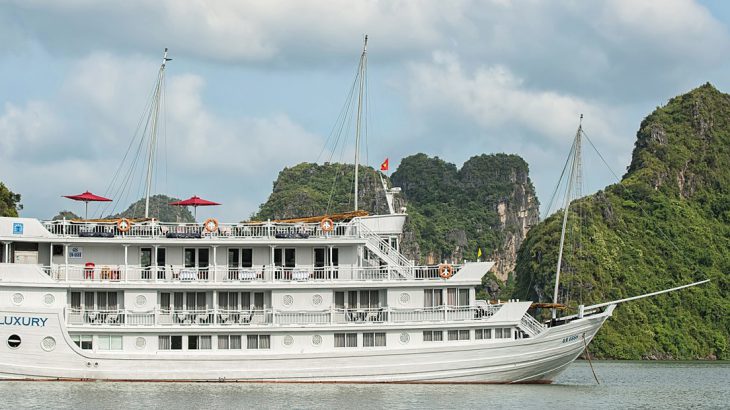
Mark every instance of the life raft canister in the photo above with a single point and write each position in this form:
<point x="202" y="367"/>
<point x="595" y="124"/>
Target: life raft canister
<point x="124" y="225"/>
<point x="211" y="224"/>
<point x="327" y="225"/>
<point x="446" y="271"/>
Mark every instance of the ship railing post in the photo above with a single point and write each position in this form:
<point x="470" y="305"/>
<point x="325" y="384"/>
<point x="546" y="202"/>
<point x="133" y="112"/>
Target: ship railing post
<point x="446" y="313"/>
<point x="332" y="314"/>
<point x="268" y="228"/>
<point x="65" y="261"/>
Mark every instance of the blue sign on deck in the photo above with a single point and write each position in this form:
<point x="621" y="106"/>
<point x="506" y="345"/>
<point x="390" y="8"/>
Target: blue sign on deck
<point x="17" y="228"/>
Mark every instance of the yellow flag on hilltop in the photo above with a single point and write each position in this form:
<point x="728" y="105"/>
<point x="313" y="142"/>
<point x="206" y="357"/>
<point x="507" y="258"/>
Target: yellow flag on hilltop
<point x="479" y="253"/>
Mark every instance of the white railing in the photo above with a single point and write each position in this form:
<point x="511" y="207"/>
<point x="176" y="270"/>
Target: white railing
<point x="267" y="317"/>
<point x="531" y="325"/>
<point x="155" y="229"/>
<point x="381" y="247"/>
<point x="224" y="274"/>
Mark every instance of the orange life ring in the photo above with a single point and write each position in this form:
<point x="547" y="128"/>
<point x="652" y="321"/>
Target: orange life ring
<point x="124" y="225"/>
<point x="446" y="271"/>
<point x="211" y="224"/>
<point x="327" y="225"/>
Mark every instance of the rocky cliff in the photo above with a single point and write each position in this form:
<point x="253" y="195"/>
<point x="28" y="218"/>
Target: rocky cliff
<point x="489" y="203"/>
<point x="665" y="224"/>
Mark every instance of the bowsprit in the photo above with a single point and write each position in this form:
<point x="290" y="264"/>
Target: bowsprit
<point x="22" y="321"/>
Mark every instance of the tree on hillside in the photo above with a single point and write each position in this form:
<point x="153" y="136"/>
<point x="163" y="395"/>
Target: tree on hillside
<point x="9" y="202"/>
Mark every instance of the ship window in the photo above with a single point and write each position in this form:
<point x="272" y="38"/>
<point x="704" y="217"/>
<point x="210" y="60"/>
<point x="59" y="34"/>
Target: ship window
<point x="458" y="334"/>
<point x="432" y="297"/>
<point x="258" y="342"/>
<point x="189" y="258"/>
<point x="457" y="297"/>
<point x="75" y="300"/>
<point x="373" y="339"/>
<point x="258" y="301"/>
<point x="339" y="300"/>
<point x="57" y="250"/>
<point x="247" y="258"/>
<point x="233" y="258"/>
<point x="503" y="333"/>
<point x="83" y="341"/>
<point x="14" y="341"/>
<point x="226" y="342"/>
<point x="176" y="342"/>
<point x="169" y="342"/>
<point x="109" y="342"/>
<point x="165" y="301"/>
<point x="289" y="257"/>
<point x="345" y="339"/>
<point x="199" y="342"/>
<point x="480" y="334"/>
<point x="365" y="299"/>
<point x="433" y="336"/>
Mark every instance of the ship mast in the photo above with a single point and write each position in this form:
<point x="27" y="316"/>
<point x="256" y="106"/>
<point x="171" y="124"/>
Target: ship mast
<point x="152" y="149"/>
<point x="361" y="75"/>
<point x="571" y="191"/>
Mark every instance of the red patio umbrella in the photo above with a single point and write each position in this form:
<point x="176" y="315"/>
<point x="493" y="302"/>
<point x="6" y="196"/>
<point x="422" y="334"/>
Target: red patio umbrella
<point x="195" y="202"/>
<point x="87" y="197"/>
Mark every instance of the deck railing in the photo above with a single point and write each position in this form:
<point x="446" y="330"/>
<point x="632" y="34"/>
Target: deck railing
<point x="155" y="229"/>
<point x="273" y="317"/>
<point x="224" y="274"/>
<point x="531" y="325"/>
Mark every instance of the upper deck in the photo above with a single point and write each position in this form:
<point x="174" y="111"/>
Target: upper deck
<point x="18" y="229"/>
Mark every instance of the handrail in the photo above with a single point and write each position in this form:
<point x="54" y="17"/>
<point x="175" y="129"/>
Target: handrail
<point x="224" y="274"/>
<point x="156" y="229"/>
<point x="268" y="316"/>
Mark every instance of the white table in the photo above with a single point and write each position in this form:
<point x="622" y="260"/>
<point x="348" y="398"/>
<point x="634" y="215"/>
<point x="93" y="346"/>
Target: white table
<point x="188" y="274"/>
<point x="300" y="274"/>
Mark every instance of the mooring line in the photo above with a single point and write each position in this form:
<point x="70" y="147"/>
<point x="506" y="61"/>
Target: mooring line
<point x="588" y="356"/>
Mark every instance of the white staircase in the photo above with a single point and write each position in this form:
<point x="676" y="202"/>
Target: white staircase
<point x="382" y="248"/>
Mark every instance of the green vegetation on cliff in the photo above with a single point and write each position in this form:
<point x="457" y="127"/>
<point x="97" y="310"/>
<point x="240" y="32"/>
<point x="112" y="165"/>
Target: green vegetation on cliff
<point x="159" y="209"/>
<point x="9" y="202"/>
<point x="309" y="189"/>
<point x="454" y="212"/>
<point x="665" y="224"/>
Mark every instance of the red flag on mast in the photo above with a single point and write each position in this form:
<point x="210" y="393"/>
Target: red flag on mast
<point x="384" y="165"/>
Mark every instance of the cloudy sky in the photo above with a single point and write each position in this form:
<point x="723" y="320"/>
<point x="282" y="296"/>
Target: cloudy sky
<point x="258" y="85"/>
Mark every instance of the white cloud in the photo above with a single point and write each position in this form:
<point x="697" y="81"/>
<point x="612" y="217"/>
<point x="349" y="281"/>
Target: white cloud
<point x="26" y="129"/>
<point x="203" y="152"/>
<point x="493" y="97"/>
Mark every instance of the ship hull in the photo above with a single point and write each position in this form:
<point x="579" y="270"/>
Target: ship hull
<point x="531" y="360"/>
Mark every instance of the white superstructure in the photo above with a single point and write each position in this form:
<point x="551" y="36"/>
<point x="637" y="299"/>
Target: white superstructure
<point x="263" y="301"/>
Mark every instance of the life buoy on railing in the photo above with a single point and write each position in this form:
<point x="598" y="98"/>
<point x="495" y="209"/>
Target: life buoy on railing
<point x="446" y="271"/>
<point x="211" y="224"/>
<point x="327" y="225"/>
<point x="124" y="225"/>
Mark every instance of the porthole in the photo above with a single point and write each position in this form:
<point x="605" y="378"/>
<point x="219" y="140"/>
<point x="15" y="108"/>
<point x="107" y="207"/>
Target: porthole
<point x="14" y="341"/>
<point x="288" y="300"/>
<point x="141" y="300"/>
<point x="317" y="300"/>
<point x="48" y="299"/>
<point x="48" y="343"/>
<point x="288" y="340"/>
<point x="140" y="343"/>
<point x="18" y="298"/>
<point x="404" y="298"/>
<point x="405" y="338"/>
<point x="316" y="340"/>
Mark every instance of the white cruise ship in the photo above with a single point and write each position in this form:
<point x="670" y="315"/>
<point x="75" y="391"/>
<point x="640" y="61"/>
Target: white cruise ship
<point x="258" y="302"/>
<point x="331" y="300"/>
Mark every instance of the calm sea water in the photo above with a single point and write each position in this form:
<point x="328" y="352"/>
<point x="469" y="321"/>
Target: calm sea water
<point x="623" y="385"/>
